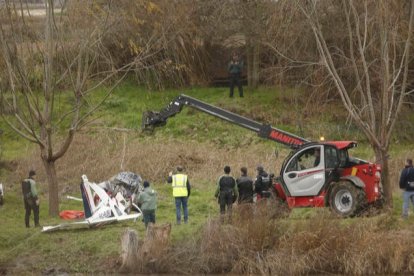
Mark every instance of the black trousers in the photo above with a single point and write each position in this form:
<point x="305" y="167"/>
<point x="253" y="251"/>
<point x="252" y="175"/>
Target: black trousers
<point x="226" y="200"/>
<point x="235" y="79"/>
<point x="149" y="216"/>
<point x="29" y="205"/>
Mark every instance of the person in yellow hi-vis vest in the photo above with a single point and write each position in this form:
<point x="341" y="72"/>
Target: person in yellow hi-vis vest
<point x="181" y="193"/>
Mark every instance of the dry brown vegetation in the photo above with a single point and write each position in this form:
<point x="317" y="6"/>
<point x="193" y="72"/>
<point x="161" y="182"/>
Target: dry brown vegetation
<point x="262" y="245"/>
<point x="258" y="244"/>
<point x="109" y="152"/>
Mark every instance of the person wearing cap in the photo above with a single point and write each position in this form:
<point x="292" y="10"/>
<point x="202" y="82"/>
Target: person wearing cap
<point x="226" y="192"/>
<point x="262" y="183"/>
<point x="245" y="187"/>
<point x="148" y="201"/>
<point x="181" y="193"/>
<point x="31" y="199"/>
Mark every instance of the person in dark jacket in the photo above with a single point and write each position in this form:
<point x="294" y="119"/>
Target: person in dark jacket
<point x="407" y="185"/>
<point x="235" y="68"/>
<point x="262" y="183"/>
<point x="226" y="191"/>
<point x="30" y="199"/>
<point x="148" y="201"/>
<point x="245" y="187"/>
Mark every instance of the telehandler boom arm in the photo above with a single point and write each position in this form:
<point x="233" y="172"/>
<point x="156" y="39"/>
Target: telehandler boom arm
<point x="152" y="119"/>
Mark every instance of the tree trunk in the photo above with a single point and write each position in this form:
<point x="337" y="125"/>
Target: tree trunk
<point x="256" y="65"/>
<point x="253" y="63"/>
<point x="53" y="187"/>
<point x="249" y="54"/>
<point x="382" y="158"/>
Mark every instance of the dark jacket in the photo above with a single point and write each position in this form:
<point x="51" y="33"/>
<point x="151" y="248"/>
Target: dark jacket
<point x="29" y="189"/>
<point x="235" y="67"/>
<point x="245" y="187"/>
<point x="407" y="179"/>
<point x="226" y="184"/>
<point x="262" y="182"/>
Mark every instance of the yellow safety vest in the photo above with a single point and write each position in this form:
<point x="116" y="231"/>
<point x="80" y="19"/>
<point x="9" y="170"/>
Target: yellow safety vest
<point x="179" y="184"/>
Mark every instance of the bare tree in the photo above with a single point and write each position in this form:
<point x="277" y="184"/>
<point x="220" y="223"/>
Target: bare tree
<point x="376" y="55"/>
<point x="254" y="18"/>
<point x="54" y="63"/>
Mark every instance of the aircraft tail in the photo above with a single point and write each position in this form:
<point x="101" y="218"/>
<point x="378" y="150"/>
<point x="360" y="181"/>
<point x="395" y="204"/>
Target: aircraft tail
<point x="86" y="200"/>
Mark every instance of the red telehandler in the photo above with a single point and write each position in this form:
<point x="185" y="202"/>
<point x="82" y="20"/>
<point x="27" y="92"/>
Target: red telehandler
<point x="314" y="174"/>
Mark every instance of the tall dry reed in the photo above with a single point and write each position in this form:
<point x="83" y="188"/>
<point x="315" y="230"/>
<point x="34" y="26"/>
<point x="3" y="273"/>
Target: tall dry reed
<point x="254" y="243"/>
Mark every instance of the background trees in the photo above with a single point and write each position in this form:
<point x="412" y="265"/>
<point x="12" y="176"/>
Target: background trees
<point x="359" y="50"/>
<point x="60" y="53"/>
<point x="370" y="68"/>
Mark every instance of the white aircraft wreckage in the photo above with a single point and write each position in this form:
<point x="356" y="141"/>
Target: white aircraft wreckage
<point x="1" y="194"/>
<point x="106" y="202"/>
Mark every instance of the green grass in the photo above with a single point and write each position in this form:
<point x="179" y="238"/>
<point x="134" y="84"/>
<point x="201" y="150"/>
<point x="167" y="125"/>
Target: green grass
<point x="87" y="250"/>
<point x="283" y="109"/>
<point x="96" y="250"/>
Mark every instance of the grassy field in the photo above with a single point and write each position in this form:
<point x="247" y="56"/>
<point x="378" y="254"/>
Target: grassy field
<point x="201" y="143"/>
<point x="84" y="250"/>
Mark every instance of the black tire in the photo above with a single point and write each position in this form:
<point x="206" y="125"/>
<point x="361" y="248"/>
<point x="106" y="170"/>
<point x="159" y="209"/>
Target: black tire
<point x="345" y="199"/>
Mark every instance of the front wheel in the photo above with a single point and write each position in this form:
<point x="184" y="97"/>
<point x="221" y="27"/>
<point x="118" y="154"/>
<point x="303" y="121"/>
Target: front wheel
<point x="345" y="199"/>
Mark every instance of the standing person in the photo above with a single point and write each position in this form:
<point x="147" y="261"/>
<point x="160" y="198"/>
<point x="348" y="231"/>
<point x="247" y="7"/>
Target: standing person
<point x="262" y="183"/>
<point x="245" y="187"/>
<point x="407" y="184"/>
<point x="31" y="199"/>
<point x="181" y="193"/>
<point x="148" y="201"/>
<point x="235" y="68"/>
<point x="226" y="191"/>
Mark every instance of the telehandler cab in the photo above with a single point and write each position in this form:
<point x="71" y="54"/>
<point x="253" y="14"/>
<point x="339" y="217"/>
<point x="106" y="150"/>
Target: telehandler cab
<point x="315" y="174"/>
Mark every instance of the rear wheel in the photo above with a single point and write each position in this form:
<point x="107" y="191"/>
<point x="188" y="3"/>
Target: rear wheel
<point x="345" y="199"/>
